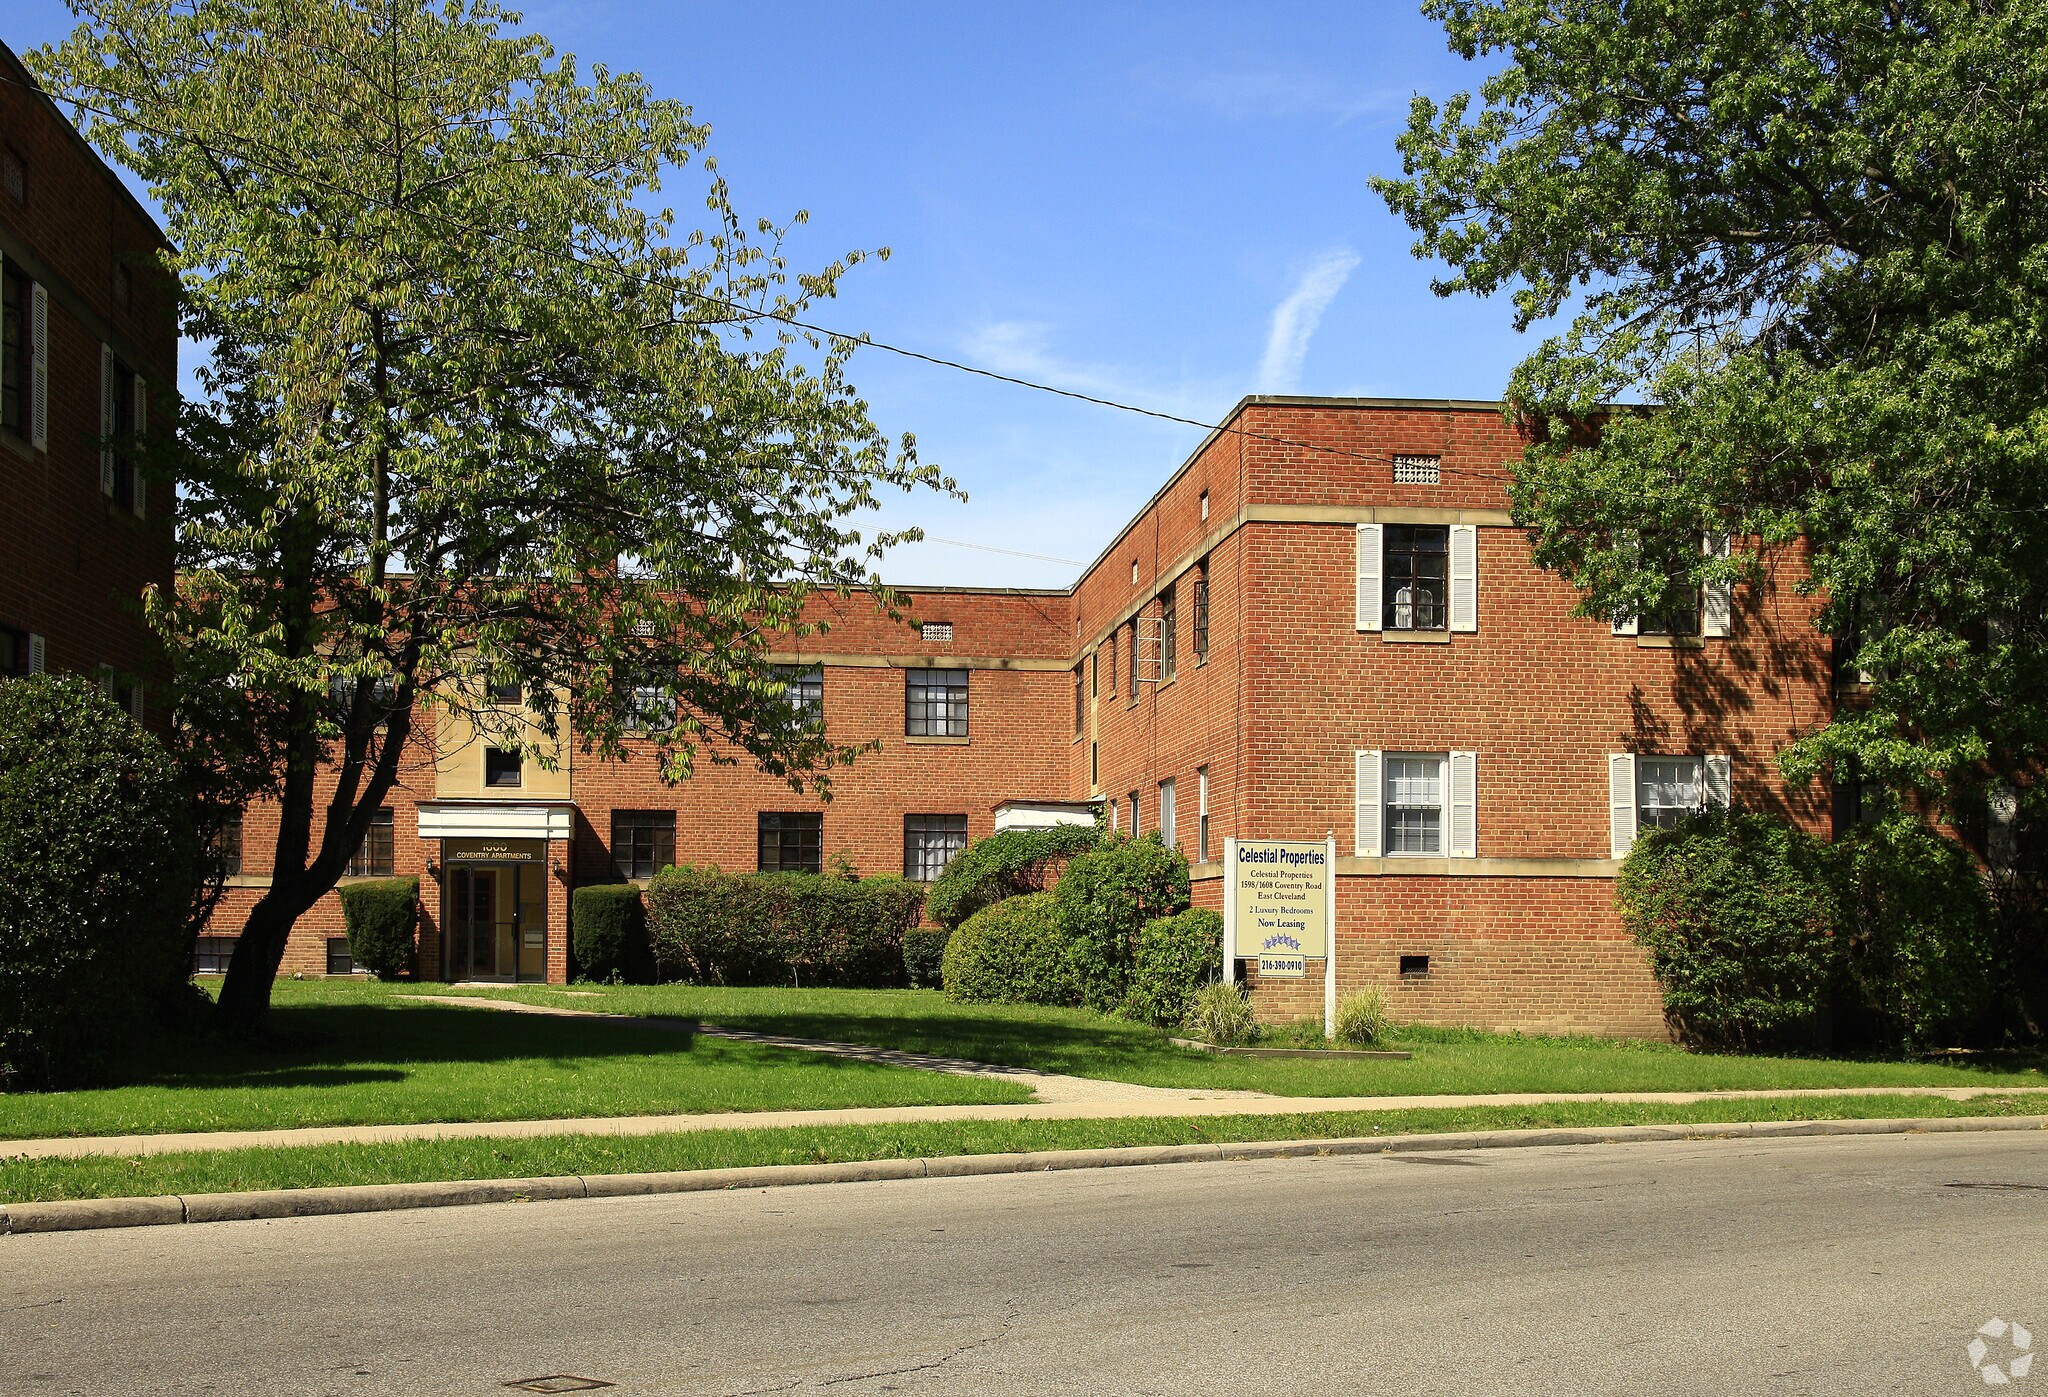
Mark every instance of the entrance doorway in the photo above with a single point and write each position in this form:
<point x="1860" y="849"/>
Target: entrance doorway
<point x="497" y="921"/>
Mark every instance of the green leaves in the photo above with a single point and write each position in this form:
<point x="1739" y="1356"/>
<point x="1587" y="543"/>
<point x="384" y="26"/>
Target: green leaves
<point x="1810" y="238"/>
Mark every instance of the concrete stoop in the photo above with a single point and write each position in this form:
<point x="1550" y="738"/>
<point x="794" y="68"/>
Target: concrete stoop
<point x="86" y="1214"/>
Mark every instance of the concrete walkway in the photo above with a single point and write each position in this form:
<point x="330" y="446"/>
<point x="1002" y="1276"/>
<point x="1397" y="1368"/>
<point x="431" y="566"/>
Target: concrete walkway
<point x="1059" y="1098"/>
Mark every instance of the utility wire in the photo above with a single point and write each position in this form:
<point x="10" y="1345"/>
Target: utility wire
<point x="241" y="153"/>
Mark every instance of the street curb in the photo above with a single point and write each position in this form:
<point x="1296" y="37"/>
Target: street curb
<point x="92" y="1214"/>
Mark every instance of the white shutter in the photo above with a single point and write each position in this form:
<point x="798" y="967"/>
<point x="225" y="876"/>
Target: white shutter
<point x="1464" y="577"/>
<point x="1719" y="788"/>
<point x="2003" y="810"/>
<point x="1621" y="803"/>
<point x="103" y="675"/>
<point x="1464" y="805"/>
<point x="36" y="660"/>
<point x="135" y="702"/>
<point x="1717" y="600"/>
<point x="39" y="381"/>
<point x="106" y="419"/>
<point x="140" y="488"/>
<point x="1369" y="577"/>
<point x="1365" y="828"/>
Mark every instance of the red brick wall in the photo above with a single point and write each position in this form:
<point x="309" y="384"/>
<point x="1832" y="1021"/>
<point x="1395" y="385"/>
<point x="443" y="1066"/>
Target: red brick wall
<point x="72" y="567"/>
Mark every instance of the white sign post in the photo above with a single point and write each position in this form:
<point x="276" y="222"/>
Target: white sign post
<point x="1330" y="950"/>
<point x="1230" y="917"/>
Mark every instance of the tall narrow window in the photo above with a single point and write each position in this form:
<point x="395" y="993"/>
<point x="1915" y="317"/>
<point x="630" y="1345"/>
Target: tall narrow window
<point x="1080" y="704"/>
<point x="374" y="855"/>
<point x="227" y="845"/>
<point x="17" y="349"/>
<point x="125" y="482"/>
<point x="1169" y="621"/>
<point x="1135" y="831"/>
<point x="791" y="842"/>
<point x="643" y="842"/>
<point x="806" y="691"/>
<point x="1115" y="674"/>
<point x="1416" y="560"/>
<point x="1201" y="814"/>
<point x="1166" y="812"/>
<point x="1200" y="635"/>
<point x="929" y="844"/>
<point x="935" y="703"/>
<point x="1134" y="660"/>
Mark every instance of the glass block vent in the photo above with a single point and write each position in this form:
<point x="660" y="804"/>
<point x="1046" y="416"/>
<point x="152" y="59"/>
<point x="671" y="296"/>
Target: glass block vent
<point x="937" y="632"/>
<point x="1418" y="470"/>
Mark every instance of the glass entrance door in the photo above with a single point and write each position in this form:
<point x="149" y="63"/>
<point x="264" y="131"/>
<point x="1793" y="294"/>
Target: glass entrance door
<point x="497" y="921"/>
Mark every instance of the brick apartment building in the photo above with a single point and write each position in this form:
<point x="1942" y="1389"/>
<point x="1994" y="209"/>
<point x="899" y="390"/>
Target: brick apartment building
<point x="1323" y="623"/>
<point x="88" y="341"/>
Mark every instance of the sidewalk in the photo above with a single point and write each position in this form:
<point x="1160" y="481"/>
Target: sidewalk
<point x="1059" y="1098"/>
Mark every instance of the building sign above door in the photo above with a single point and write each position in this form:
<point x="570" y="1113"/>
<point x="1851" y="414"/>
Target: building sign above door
<point x="494" y="850"/>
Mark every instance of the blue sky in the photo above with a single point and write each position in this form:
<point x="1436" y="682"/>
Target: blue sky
<point x="1160" y="203"/>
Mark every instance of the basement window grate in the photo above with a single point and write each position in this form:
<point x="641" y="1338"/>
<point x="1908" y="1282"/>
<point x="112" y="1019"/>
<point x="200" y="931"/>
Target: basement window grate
<point x="1414" y="967"/>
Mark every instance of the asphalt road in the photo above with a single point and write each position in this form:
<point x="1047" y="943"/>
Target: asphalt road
<point x="1851" y="1265"/>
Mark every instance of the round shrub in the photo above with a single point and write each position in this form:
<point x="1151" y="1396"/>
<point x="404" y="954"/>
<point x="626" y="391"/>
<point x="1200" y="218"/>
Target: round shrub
<point x="98" y="861"/>
<point x="1176" y="956"/>
<point x="924" y="953"/>
<point x="1737" y="911"/>
<point x="1104" y="900"/>
<point x="1918" y="936"/>
<point x="1011" y="953"/>
<point x="610" y="940"/>
<point x="1221" y="1014"/>
<point x="383" y="918"/>
<point x="1009" y="864"/>
<point x="1362" y="1018"/>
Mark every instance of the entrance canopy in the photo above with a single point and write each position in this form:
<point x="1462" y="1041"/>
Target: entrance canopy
<point x="496" y="819"/>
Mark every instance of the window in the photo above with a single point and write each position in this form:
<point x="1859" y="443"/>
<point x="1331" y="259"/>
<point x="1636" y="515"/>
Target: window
<point x="649" y="709"/>
<point x="502" y="766"/>
<point x="339" y="961"/>
<point x="1667" y="790"/>
<point x="792" y="842"/>
<point x="1201" y="814"/>
<point x="935" y="703"/>
<point x="936" y="632"/>
<point x="13" y="652"/>
<point x="1414" y="967"/>
<point x="1418" y="470"/>
<point x="1114" y="817"/>
<point x="228" y="845"/>
<point x="929" y="843"/>
<point x="17" y="352"/>
<point x="13" y="175"/>
<point x="1080" y="703"/>
<point x="373" y="855"/>
<point x="1134" y="572"/>
<point x="1680" y="615"/>
<point x="122" y="419"/>
<point x="1134" y="815"/>
<point x="1115" y="674"/>
<point x="1205" y="506"/>
<point x="1415" y="804"/>
<point x="643" y="842"/>
<point x="1094" y="765"/>
<point x="211" y="954"/>
<point x="1417" y="577"/>
<point x="1166" y="812"/>
<point x="1200" y="637"/>
<point x="806" y="691"/>
<point x="510" y="692"/>
<point x="1169" y="619"/>
<point x="122" y="285"/>
<point x="1134" y="660"/>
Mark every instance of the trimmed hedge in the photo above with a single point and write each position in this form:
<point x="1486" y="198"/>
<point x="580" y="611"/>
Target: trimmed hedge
<point x="1009" y="864"/>
<point x="1011" y="953"/>
<point x="383" y="919"/>
<point x="1104" y="900"/>
<point x="98" y="860"/>
<point x="924" y="955"/>
<point x="1176" y="956"/>
<point x="1738" y="912"/>
<point x="718" y="928"/>
<point x="610" y="939"/>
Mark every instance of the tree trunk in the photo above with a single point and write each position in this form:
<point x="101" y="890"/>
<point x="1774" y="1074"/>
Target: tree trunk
<point x="245" y="993"/>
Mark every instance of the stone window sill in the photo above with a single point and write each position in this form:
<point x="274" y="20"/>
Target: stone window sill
<point x="910" y="741"/>
<point x="1670" y="642"/>
<point x="1398" y="637"/>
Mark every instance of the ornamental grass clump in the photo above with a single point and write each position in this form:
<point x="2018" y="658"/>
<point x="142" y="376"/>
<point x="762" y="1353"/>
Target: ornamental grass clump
<point x="1221" y="1013"/>
<point x="1362" y="1018"/>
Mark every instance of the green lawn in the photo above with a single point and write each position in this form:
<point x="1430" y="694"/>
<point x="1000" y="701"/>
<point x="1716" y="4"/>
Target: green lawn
<point x="1092" y="1045"/>
<point x="228" y="1171"/>
<point x="351" y="1053"/>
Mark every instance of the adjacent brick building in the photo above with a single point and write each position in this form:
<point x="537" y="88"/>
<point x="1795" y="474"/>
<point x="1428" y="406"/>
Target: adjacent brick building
<point x="88" y="353"/>
<point x="1323" y="624"/>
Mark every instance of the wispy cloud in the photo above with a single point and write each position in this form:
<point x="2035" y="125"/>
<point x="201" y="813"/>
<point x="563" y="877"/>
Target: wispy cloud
<point x="1296" y="318"/>
<point x="1023" y="348"/>
<point x="1266" y="91"/>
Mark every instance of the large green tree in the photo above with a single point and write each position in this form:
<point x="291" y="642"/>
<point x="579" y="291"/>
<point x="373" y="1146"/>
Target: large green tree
<point x="476" y="411"/>
<point x="1811" y="237"/>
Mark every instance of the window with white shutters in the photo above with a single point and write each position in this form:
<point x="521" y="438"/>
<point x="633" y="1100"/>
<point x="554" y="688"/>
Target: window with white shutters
<point x="1415" y="804"/>
<point x="1655" y="791"/>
